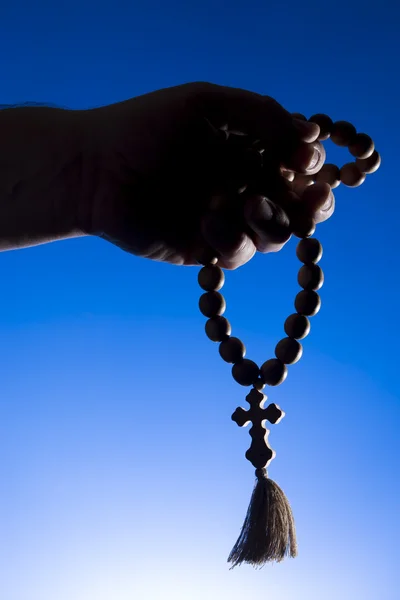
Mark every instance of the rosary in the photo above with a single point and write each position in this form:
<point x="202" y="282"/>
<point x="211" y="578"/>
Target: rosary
<point x="268" y="533"/>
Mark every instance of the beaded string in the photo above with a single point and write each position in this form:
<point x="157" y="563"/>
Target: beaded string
<point x="268" y="533"/>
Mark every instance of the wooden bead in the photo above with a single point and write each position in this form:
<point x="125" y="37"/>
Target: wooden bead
<point x="232" y="350"/>
<point x="259" y="384"/>
<point x="217" y="329"/>
<point x="304" y="227"/>
<point x="351" y="175"/>
<point x="343" y="133"/>
<point x="212" y="304"/>
<point x="288" y="351"/>
<point x="273" y="372"/>
<point x="362" y="146"/>
<point x="307" y="302"/>
<point x="369" y="165"/>
<point x="297" y="326"/>
<point x="329" y="174"/>
<point x="211" y="278"/>
<point x="310" y="277"/>
<point x="245" y="372"/>
<point x="309" y="251"/>
<point x="325" y="124"/>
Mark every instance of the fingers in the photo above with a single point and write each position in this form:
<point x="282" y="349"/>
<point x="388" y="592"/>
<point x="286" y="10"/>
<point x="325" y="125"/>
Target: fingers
<point x="318" y="201"/>
<point x="236" y="232"/>
<point x="288" y="142"/>
<point x="256" y="115"/>
<point x="226" y="237"/>
<point x="306" y="132"/>
<point x="268" y="222"/>
<point x="271" y="207"/>
<point x="261" y="225"/>
<point x="307" y="158"/>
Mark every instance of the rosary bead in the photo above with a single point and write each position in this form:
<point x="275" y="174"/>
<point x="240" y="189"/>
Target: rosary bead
<point x="329" y="174"/>
<point x="288" y="351"/>
<point x="305" y="227"/>
<point x="310" y="277"/>
<point x="343" y="133"/>
<point x="232" y="350"/>
<point x="273" y="372"/>
<point x="245" y="372"/>
<point x="362" y="146"/>
<point x="351" y="175"/>
<point x="369" y="165"/>
<point x="307" y="302"/>
<point x="259" y="384"/>
<point x="211" y="278"/>
<point x="297" y="326"/>
<point x="212" y="304"/>
<point x="218" y="328"/>
<point x="325" y="124"/>
<point x="309" y="251"/>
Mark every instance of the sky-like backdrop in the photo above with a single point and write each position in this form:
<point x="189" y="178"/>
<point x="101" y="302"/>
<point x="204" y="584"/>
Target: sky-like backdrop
<point x="122" y="475"/>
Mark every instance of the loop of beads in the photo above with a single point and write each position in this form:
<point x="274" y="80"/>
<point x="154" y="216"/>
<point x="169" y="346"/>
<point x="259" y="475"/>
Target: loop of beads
<point x="360" y="145"/>
<point x="297" y="326"/>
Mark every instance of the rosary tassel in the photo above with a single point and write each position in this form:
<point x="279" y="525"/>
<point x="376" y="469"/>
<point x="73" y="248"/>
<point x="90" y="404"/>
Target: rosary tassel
<point x="268" y="533"/>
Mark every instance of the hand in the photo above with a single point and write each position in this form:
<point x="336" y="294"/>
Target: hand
<point x="167" y="168"/>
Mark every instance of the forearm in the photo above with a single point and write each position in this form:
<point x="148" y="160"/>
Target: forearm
<point x="41" y="175"/>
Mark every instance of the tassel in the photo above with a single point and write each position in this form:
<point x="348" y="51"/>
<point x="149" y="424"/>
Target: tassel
<point x="268" y="533"/>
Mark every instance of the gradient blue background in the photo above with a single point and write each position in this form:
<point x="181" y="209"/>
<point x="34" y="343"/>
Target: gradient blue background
<point x="121" y="473"/>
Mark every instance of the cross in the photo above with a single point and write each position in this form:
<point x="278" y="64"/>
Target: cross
<point x="259" y="453"/>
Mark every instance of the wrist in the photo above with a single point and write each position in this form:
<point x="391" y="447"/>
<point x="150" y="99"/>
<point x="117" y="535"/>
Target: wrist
<point x="109" y="134"/>
<point x="42" y="165"/>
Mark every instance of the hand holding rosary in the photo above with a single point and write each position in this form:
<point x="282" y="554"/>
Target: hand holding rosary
<point x="268" y="533"/>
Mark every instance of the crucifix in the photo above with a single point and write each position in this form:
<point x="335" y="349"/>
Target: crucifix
<point x="259" y="453"/>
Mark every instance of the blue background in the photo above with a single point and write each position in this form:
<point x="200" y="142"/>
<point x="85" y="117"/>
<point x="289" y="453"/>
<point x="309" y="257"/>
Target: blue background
<point x="121" y="473"/>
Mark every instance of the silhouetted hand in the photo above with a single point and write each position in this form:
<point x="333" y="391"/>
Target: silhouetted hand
<point x="172" y="173"/>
